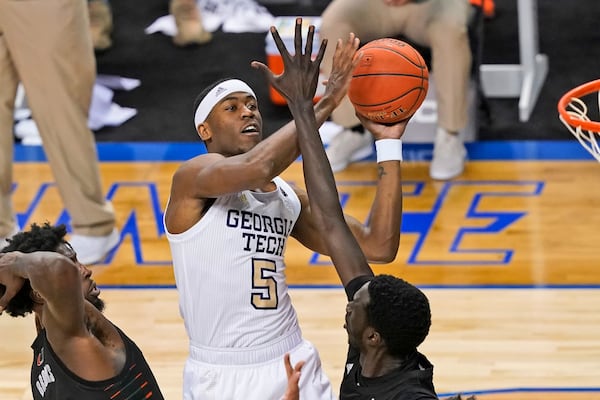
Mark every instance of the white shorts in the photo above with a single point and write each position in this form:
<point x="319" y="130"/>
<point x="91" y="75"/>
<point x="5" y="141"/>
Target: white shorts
<point x="259" y="381"/>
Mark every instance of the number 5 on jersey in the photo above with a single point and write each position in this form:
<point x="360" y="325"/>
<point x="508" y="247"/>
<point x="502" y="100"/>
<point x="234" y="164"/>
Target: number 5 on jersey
<point x="264" y="285"/>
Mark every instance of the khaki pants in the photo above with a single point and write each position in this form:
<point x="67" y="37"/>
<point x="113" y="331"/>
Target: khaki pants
<point x="438" y="24"/>
<point x="46" y="45"/>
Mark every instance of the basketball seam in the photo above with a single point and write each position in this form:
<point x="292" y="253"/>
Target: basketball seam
<point x="419" y="88"/>
<point x="402" y="55"/>
<point x="422" y="76"/>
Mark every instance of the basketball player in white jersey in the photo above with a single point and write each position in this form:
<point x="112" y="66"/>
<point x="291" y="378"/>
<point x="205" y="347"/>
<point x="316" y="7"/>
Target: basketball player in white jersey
<point x="227" y="221"/>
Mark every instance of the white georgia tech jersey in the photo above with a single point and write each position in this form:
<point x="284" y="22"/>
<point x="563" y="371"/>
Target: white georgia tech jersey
<point x="230" y="272"/>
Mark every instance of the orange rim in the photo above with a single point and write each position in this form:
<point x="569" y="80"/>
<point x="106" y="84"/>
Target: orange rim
<point x="578" y="92"/>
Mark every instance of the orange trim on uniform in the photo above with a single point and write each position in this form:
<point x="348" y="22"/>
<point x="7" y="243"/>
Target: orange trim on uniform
<point x="488" y="6"/>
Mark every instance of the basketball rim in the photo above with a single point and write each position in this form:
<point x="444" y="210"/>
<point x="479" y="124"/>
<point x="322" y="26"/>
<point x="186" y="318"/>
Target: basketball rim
<point x="573" y="112"/>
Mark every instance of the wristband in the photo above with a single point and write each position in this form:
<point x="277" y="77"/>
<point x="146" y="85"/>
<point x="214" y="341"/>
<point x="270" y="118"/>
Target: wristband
<point x="388" y="150"/>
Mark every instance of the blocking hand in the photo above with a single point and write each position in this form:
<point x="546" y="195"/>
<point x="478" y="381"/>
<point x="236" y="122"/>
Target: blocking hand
<point x="344" y="62"/>
<point x="299" y="79"/>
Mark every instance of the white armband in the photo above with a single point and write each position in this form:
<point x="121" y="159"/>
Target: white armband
<point x="388" y="150"/>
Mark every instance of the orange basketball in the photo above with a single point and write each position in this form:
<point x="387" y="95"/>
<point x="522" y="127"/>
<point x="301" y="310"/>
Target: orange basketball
<point x="390" y="82"/>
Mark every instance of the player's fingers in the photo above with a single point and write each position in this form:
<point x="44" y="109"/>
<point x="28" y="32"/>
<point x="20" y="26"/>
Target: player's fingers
<point x="299" y="365"/>
<point x="355" y="41"/>
<point x="309" y="41"/>
<point x="321" y="51"/>
<point x="280" y="45"/>
<point x="264" y="69"/>
<point x="288" y="364"/>
<point x="259" y="65"/>
<point x="298" y="37"/>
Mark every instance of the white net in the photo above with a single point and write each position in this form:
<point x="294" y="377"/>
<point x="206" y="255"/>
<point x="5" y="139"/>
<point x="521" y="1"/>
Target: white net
<point x="578" y="110"/>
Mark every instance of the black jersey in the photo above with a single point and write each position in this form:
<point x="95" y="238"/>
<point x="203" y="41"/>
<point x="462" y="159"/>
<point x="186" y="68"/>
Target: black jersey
<point x="412" y="381"/>
<point x="52" y="380"/>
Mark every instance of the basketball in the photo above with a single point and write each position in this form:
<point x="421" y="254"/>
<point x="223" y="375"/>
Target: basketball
<point x="390" y="82"/>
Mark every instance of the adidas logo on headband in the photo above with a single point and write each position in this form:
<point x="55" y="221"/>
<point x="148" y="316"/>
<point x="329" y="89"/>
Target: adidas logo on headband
<point x="217" y="94"/>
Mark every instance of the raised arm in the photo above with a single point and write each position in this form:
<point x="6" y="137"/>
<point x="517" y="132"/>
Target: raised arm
<point x="55" y="281"/>
<point x="326" y="211"/>
<point x="342" y="246"/>
<point x="380" y="238"/>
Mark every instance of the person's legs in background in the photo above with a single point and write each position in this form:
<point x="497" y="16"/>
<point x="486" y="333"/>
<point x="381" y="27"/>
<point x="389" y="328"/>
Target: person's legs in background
<point x="58" y="76"/>
<point x="187" y="16"/>
<point x="235" y="16"/>
<point x="444" y="30"/>
<point x="101" y="24"/>
<point x="8" y="84"/>
<point x="189" y="23"/>
<point x="352" y="143"/>
<point x="439" y="24"/>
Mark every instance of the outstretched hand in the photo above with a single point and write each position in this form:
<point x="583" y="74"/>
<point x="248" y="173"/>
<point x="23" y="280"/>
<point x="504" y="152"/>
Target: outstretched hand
<point x="344" y="62"/>
<point x="293" y="374"/>
<point x="300" y="76"/>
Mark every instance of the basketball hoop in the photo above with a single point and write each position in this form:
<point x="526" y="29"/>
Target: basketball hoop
<point x="573" y="112"/>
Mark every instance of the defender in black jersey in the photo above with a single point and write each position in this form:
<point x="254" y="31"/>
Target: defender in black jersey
<point x="386" y="317"/>
<point x="78" y="353"/>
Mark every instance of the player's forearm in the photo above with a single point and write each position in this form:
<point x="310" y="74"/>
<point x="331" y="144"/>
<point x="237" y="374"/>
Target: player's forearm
<point x="47" y="272"/>
<point x="341" y="245"/>
<point x="386" y="214"/>
<point x="277" y="151"/>
<point x="324" y="108"/>
<point x="318" y="176"/>
<point x="288" y="133"/>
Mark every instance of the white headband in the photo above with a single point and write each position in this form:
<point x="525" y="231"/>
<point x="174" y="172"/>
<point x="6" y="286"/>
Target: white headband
<point x="217" y="94"/>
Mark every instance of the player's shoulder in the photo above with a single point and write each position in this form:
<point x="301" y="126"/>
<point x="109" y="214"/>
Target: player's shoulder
<point x="301" y="193"/>
<point x="193" y="165"/>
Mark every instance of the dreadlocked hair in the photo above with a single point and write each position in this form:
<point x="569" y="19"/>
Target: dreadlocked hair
<point x="38" y="238"/>
<point x="400" y="313"/>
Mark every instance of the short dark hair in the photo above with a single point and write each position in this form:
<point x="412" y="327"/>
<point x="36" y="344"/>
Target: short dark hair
<point x="38" y="238"/>
<point x="400" y="313"/>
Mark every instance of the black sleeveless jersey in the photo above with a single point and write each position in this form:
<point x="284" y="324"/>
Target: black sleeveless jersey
<point x="412" y="381"/>
<point x="51" y="380"/>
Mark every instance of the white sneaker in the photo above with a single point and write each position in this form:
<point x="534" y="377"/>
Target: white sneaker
<point x="211" y="21"/>
<point x="449" y="154"/>
<point x="3" y="239"/>
<point x="93" y="249"/>
<point x="349" y="146"/>
<point x="213" y="14"/>
<point x="235" y="16"/>
<point x="249" y="18"/>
